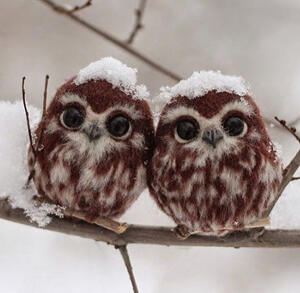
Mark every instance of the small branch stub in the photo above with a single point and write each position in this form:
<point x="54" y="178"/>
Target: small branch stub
<point x="138" y="21"/>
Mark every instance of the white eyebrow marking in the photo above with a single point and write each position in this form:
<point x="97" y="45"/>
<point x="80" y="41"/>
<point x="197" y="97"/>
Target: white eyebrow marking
<point x="174" y="113"/>
<point x="69" y="98"/>
<point x="241" y="105"/>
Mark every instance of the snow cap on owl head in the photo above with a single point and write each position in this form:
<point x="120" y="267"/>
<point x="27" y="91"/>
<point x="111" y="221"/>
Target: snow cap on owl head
<point x="115" y="72"/>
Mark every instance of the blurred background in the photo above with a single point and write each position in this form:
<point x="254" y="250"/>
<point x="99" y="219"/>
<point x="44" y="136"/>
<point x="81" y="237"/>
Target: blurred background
<point x="259" y="40"/>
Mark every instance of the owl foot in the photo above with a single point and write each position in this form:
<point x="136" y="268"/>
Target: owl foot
<point x="255" y="233"/>
<point x="106" y="223"/>
<point x="112" y="225"/>
<point x="181" y="232"/>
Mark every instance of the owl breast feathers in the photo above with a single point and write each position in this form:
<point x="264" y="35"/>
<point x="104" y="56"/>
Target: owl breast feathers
<point x="214" y="165"/>
<point x="96" y="143"/>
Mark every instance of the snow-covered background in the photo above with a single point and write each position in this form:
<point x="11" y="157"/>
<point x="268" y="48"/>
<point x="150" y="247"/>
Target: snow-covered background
<point x="258" y="40"/>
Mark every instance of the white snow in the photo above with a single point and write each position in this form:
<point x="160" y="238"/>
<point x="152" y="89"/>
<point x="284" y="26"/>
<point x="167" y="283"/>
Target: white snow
<point x="285" y="214"/>
<point x="13" y="170"/>
<point x="115" y="72"/>
<point x="201" y="82"/>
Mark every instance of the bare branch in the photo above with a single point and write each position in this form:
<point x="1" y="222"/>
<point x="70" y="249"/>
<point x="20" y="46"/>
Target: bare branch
<point x="76" y="8"/>
<point x="27" y="115"/>
<point x="295" y="178"/>
<point x="124" y="252"/>
<point x="138" y="21"/>
<point x="117" y="42"/>
<point x="155" y="235"/>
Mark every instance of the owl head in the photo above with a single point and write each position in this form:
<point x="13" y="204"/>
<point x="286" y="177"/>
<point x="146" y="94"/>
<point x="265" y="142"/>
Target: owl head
<point x="211" y="114"/>
<point x="99" y="113"/>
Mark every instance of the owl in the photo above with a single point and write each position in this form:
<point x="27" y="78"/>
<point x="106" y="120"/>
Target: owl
<point x="214" y="167"/>
<point x="97" y="139"/>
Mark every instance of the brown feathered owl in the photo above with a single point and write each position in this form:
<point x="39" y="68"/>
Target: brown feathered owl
<point x="214" y="166"/>
<point x="97" y="140"/>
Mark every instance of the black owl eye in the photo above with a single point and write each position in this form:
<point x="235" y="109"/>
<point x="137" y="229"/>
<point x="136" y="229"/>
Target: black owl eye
<point x="234" y="126"/>
<point x="186" y="129"/>
<point x="72" y="118"/>
<point x="118" y="125"/>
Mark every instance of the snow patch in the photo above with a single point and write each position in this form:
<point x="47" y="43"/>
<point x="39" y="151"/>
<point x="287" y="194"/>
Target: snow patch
<point x="116" y="73"/>
<point x="201" y="82"/>
<point x="13" y="157"/>
<point x="285" y="214"/>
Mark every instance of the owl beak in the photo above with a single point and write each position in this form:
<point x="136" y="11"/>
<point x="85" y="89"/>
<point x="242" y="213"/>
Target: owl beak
<point x="212" y="136"/>
<point x="93" y="132"/>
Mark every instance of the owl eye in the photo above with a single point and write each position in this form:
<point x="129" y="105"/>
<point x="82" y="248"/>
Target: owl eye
<point x="234" y="126"/>
<point x="186" y="129"/>
<point x="72" y="118"/>
<point x="118" y="126"/>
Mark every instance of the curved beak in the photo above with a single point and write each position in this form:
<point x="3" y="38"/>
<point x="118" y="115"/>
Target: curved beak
<point x="93" y="132"/>
<point x="212" y="136"/>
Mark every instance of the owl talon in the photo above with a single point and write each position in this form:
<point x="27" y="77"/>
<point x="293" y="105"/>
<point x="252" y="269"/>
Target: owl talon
<point x="122" y="228"/>
<point x="256" y="233"/>
<point x="181" y="232"/>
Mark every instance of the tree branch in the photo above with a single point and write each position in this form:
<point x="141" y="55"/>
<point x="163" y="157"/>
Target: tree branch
<point x="155" y="235"/>
<point x="124" y="252"/>
<point x="115" y="41"/>
<point x="138" y="21"/>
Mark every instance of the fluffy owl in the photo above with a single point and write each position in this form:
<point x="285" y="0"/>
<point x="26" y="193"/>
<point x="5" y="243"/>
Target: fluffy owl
<point x="214" y="166"/>
<point x="97" y="139"/>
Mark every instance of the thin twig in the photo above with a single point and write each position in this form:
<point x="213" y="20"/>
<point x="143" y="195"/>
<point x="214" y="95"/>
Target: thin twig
<point x="116" y="42"/>
<point x="155" y="235"/>
<point x="124" y="252"/>
<point x="76" y="8"/>
<point x="295" y="178"/>
<point x="138" y="21"/>
<point x="40" y="138"/>
<point x="27" y="116"/>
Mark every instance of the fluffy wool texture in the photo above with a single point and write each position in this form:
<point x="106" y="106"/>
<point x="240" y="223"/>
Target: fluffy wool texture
<point x="13" y="169"/>
<point x="99" y="176"/>
<point x="116" y="73"/>
<point x="207" y="188"/>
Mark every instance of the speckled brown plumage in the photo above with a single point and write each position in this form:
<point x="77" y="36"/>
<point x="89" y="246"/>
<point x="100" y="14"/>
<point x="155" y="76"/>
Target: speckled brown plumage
<point x="206" y="189"/>
<point x="102" y="177"/>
